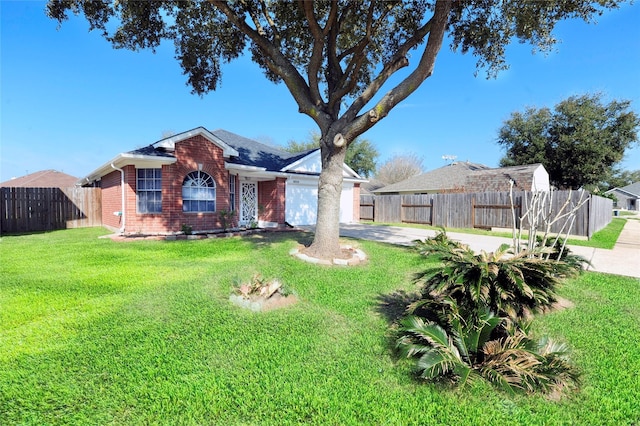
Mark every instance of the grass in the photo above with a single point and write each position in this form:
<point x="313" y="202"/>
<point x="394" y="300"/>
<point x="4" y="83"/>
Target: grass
<point x="100" y="332"/>
<point x="605" y="238"/>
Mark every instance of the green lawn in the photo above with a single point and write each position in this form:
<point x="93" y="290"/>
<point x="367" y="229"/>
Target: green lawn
<point x="100" y="332"/>
<point x="605" y="238"/>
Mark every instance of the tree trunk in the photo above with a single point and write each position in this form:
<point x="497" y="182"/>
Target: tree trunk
<point x="326" y="242"/>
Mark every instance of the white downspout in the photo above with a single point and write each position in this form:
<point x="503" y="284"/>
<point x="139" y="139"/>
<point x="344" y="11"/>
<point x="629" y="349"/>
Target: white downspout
<point x="123" y="197"/>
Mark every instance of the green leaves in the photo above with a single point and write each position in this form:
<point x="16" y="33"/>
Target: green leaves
<point x="579" y="143"/>
<point x="471" y="319"/>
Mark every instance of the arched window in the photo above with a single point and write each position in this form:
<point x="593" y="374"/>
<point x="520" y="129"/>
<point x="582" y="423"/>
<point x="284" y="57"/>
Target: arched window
<point x="198" y="193"/>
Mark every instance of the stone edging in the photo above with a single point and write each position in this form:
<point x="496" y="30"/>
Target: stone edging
<point x="357" y="258"/>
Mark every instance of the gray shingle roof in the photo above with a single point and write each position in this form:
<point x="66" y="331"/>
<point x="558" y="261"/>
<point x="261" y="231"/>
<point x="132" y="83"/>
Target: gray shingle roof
<point x="250" y="152"/>
<point x="449" y="177"/>
<point x="254" y="153"/>
<point x="633" y="189"/>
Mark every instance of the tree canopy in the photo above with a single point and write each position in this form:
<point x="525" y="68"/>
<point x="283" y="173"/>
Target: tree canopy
<point x="579" y="143"/>
<point x="361" y="155"/>
<point x="619" y="179"/>
<point x="336" y="58"/>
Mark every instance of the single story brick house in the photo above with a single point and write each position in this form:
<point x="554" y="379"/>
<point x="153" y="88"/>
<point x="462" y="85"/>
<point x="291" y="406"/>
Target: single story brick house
<point x="189" y="179"/>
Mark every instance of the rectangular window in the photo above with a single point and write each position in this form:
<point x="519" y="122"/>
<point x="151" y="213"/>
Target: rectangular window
<point x="149" y="190"/>
<point x="232" y="192"/>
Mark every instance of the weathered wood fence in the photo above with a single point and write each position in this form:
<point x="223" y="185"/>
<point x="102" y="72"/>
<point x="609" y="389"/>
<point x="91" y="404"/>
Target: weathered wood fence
<point x="482" y="210"/>
<point x="47" y="209"/>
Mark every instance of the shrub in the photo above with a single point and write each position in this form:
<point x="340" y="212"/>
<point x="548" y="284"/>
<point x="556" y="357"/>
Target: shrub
<point x="226" y="218"/>
<point x="469" y="350"/>
<point x="471" y="318"/>
<point x="510" y="284"/>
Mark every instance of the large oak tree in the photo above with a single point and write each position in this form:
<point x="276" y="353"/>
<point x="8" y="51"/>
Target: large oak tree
<point x="333" y="56"/>
<point x="361" y="155"/>
<point x="579" y="142"/>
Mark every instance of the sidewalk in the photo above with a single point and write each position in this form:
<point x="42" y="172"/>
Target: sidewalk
<point x="624" y="259"/>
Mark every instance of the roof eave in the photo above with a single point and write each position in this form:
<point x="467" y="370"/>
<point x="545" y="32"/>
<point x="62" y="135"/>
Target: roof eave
<point x="126" y="159"/>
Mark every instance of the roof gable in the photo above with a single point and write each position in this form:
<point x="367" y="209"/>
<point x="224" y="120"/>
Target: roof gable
<point x="170" y="142"/>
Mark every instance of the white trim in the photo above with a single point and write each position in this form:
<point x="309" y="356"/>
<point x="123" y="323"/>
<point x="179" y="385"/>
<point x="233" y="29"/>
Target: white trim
<point x="352" y="172"/>
<point x="347" y="172"/>
<point x="300" y="161"/>
<point x="242" y="167"/>
<point x="127" y="159"/>
<point x="622" y="190"/>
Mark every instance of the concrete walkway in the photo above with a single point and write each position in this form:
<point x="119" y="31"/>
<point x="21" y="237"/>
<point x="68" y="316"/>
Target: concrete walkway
<point x="624" y="259"/>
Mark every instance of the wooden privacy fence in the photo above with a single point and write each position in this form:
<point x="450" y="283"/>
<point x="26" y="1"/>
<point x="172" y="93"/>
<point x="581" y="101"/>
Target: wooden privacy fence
<point x="482" y="210"/>
<point x="47" y="209"/>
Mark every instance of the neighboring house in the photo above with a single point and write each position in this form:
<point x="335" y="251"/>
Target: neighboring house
<point x="190" y="178"/>
<point x="628" y="197"/>
<point x="471" y="177"/>
<point x="529" y="177"/>
<point x="449" y="178"/>
<point x="41" y="179"/>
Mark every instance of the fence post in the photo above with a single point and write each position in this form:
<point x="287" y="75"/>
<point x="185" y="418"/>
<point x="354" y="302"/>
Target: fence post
<point x="373" y="213"/>
<point x="473" y="212"/>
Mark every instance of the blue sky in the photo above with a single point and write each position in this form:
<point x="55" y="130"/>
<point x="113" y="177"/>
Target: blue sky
<point x="71" y="102"/>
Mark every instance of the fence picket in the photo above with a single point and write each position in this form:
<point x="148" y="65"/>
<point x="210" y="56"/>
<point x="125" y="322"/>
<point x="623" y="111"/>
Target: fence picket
<point x="482" y="210"/>
<point x="46" y="209"/>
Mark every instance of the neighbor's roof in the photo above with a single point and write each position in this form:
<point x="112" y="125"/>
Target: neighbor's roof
<point x="41" y="179"/>
<point x="633" y="189"/>
<point x="449" y="177"/>
<point x="494" y="179"/>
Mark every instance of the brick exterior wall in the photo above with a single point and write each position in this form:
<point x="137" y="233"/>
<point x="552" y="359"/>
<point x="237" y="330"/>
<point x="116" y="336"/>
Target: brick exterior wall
<point x="189" y="153"/>
<point x="356" y="202"/>
<point x="271" y="201"/>
<point x="111" y="200"/>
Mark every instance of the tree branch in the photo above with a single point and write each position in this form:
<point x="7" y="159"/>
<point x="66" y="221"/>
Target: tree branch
<point x="315" y="62"/>
<point x="436" y="28"/>
<point x="277" y="63"/>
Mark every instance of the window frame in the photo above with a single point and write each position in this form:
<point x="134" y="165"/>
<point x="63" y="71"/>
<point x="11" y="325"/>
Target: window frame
<point x="232" y="192"/>
<point x="147" y="185"/>
<point x="198" y="191"/>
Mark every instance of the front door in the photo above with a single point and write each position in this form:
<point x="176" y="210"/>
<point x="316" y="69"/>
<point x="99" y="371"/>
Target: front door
<point x="248" y="203"/>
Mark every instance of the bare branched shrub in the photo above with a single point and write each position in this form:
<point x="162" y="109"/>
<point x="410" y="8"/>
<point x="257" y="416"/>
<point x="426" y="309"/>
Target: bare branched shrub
<point x="540" y="218"/>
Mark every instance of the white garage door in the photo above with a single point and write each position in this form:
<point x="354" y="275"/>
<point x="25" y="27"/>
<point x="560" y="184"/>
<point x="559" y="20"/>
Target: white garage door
<point x="302" y="202"/>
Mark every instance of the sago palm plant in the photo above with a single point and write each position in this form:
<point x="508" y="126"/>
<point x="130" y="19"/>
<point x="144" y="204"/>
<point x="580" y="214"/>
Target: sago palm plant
<point x="470" y="351"/>
<point x="471" y="318"/>
<point x="509" y="284"/>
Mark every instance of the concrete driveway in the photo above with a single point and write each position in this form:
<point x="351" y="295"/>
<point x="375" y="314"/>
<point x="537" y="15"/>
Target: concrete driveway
<point x="623" y="259"/>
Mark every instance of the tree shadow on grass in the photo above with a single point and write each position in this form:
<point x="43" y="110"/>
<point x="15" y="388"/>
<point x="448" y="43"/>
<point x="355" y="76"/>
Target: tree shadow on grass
<point x="268" y="237"/>
<point x="393" y="306"/>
